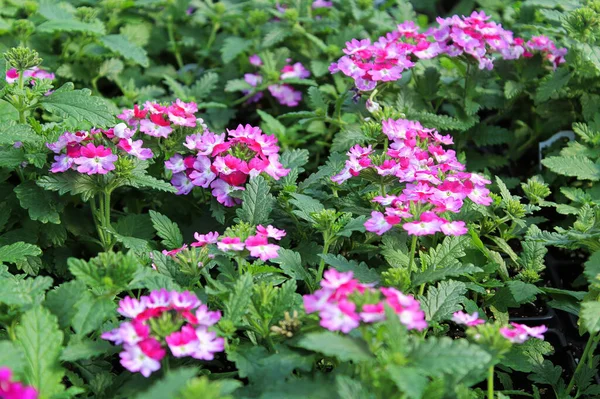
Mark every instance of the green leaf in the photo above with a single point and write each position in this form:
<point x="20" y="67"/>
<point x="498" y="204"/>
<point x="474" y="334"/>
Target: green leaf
<point x="170" y="385"/>
<point x="237" y="85"/>
<point x="80" y="105"/>
<point x="592" y="268"/>
<point x="590" y="316"/>
<point x="576" y="166"/>
<point x="271" y="125"/>
<point x="11" y="157"/>
<point x="86" y="349"/>
<point x="91" y="313"/>
<point x="306" y="206"/>
<point x="257" y="202"/>
<point x="236" y="305"/>
<point x="552" y="84"/>
<point x="121" y="45"/>
<point x="411" y="381"/>
<point x="12" y="356"/>
<point x="17" y="251"/>
<point x="204" y="86"/>
<point x="72" y="183"/>
<point x="23" y="133"/>
<point x="167" y="230"/>
<point x="448" y="252"/>
<point x="144" y="180"/>
<point x="442" y="301"/>
<point x="41" y="205"/>
<point x="24" y="293"/>
<point x="61" y="301"/>
<point x="71" y="25"/>
<point x="232" y="47"/>
<point x="360" y="270"/>
<point x="316" y="100"/>
<point x="532" y="257"/>
<point x="438" y="356"/>
<point x="513" y="89"/>
<point x="41" y="340"/>
<point x="291" y="263"/>
<point x="356" y="224"/>
<point x="432" y="274"/>
<point x="345" y="348"/>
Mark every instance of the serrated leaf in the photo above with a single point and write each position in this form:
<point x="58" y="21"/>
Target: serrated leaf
<point x="257" y="202"/>
<point x="80" y="105"/>
<point x="306" y="206"/>
<point x="22" y="133"/>
<point x="11" y="157"/>
<point x="61" y="301"/>
<point x="576" y="166"/>
<point x="315" y="99"/>
<point x="239" y="299"/>
<point x="532" y="257"/>
<point x="167" y="230"/>
<point x="72" y="183"/>
<point x="232" y="47"/>
<point x="411" y="381"/>
<point x="552" y="84"/>
<point x="91" y="313"/>
<point x="40" y="204"/>
<point x="356" y="224"/>
<point x="513" y="89"/>
<point x="294" y="159"/>
<point x="433" y="274"/>
<point x="590" y="316"/>
<point x="86" y="349"/>
<point x="119" y="44"/>
<point x="17" y="251"/>
<point x="24" y="293"/>
<point x="170" y="385"/>
<point x="237" y="85"/>
<point x="345" y="348"/>
<point x="438" y="356"/>
<point x="291" y="263"/>
<point x="12" y="356"/>
<point x="204" y="86"/>
<point x="271" y="125"/>
<point x="71" y="25"/>
<point x="592" y="268"/>
<point x="443" y="300"/>
<point x="448" y="252"/>
<point x="41" y="341"/>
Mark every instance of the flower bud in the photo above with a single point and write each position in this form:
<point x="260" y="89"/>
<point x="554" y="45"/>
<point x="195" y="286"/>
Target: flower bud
<point x="373" y="106"/>
<point x="22" y="58"/>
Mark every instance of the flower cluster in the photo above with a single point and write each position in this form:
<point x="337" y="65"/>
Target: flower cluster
<point x="476" y="36"/>
<point x="14" y="390"/>
<point x="337" y="299"/>
<point x="515" y="333"/>
<point x="436" y="183"/>
<point x="257" y="245"/>
<point x="177" y="320"/>
<point x="284" y="93"/>
<point x="94" y="152"/>
<point x="12" y="75"/>
<point x="158" y="120"/>
<point x="548" y="49"/>
<point x="225" y="163"/>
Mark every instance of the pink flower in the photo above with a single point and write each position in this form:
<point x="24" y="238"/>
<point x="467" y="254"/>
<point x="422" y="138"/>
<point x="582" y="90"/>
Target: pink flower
<point x="184" y="300"/>
<point x="208" y="344"/>
<point x="12" y="75"/>
<point x="322" y="4"/>
<point x="202" y="175"/>
<point x="230" y="244"/>
<point x="62" y="163"/>
<point x="255" y="60"/>
<point x="379" y="224"/>
<point x="12" y="389"/>
<point x="131" y="307"/>
<point x="260" y="248"/>
<point x="207" y="318"/>
<point x="373" y="313"/>
<point x="135" y="148"/>
<point x="454" y="228"/>
<point x="340" y="318"/>
<point x="183" y="343"/>
<point x="135" y="360"/>
<point x="95" y="160"/>
<point x="221" y="191"/>
<point x="270" y="232"/>
<point x="429" y="223"/>
<point x="286" y="95"/>
<point x="204" y="239"/>
<point x="159" y="299"/>
<point x="296" y="71"/>
<point x="175" y="164"/>
<point x="182" y="183"/>
<point x="154" y="130"/>
<point x="467" y="319"/>
<point x="520" y="333"/>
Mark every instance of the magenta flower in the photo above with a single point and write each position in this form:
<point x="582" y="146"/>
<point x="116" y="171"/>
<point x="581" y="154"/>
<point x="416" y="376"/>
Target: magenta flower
<point x="379" y="224"/>
<point x="467" y="319"/>
<point x="136" y="360"/>
<point x="286" y="95"/>
<point x="255" y="60"/>
<point x="520" y="333"/>
<point x="12" y="75"/>
<point x="270" y="232"/>
<point x="429" y="223"/>
<point x="295" y="71"/>
<point x="259" y="247"/>
<point x="230" y="244"/>
<point x="10" y="389"/>
<point x="322" y="4"/>
<point x="95" y="160"/>
<point x="204" y="239"/>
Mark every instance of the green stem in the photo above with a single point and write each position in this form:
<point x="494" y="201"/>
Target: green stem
<point x="173" y="43"/>
<point x="490" y="382"/>
<point x="582" y="361"/>
<point x="213" y="35"/>
<point x="413" y="249"/>
<point x="326" y="244"/>
<point x="467" y="82"/>
<point x="21" y="99"/>
<point x="97" y="216"/>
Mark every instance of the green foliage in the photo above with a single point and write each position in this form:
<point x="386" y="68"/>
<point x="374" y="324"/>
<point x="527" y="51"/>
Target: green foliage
<point x="331" y="344"/>
<point x="80" y="105"/>
<point x="167" y="230"/>
<point x="257" y="202"/>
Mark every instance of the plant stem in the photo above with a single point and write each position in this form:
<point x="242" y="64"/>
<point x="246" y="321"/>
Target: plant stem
<point x="583" y="359"/>
<point x="490" y="383"/>
<point x="21" y="99"/>
<point x="213" y="35"/>
<point x="413" y="249"/>
<point x="173" y="43"/>
<point x="467" y="82"/>
<point x="326" y="244"/>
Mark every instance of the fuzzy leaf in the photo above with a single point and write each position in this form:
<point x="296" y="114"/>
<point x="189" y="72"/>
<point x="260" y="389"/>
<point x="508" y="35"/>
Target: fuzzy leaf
<point x="232" y="47"/>
<point x="443" y="300"/>
<point x="592" y="268"/>
<point x="91" y="313"/>
<point x="239" y="299"/>
<point x="167" y="230"/>
<point x="71" y="25"/>
<point x="40" y="204"/>
<point x="432" y="273"/>
<point x="291" y="263"/>
<point x="590" y="316"/>
<point x="121" y="45"/>
<point x="13" y="133"/>
<point x="345" y="348"/>
<point x="41" y="340"/>
<point x="257" y="202"/>
<point x="576" y="166"/>
<point x="72" y="183"/>
<point x="361" y="270"/>
<point x="170" y="385"/>
<point x="80" y="105"/>
<point x="17" y="251"/>
<point x="61" y="301"/>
